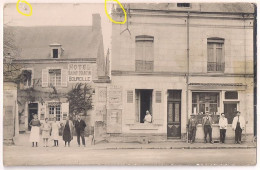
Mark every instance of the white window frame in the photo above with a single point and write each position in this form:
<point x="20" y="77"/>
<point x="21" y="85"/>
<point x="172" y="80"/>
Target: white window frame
<point x="32" y="78"/>
<point x="55" y="111"/>
<point x="49" y="78"/>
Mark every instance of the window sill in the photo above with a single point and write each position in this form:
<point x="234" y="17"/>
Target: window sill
<point x="142" y="126"/>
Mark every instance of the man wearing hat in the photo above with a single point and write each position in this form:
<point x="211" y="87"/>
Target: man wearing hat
<point x="238" y="125"/>
<point x="222" y="127"/>
<point x="207" y="125"/>
<point x="192" y="127"/>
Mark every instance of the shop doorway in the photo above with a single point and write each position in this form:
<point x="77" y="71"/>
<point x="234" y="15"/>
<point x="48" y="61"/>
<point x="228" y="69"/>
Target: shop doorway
<point x="230" y="111"/>
<point x="32" y="109"/>
<point x="174" y="114"/>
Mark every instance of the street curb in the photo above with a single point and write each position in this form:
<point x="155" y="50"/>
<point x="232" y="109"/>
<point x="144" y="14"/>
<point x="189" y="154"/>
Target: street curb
<point x="186" y="147"/>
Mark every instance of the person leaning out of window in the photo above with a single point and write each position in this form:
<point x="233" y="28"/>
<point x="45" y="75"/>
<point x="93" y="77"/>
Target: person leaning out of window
<point x="148" y="117"/>
<point x="222" y="127"/>
<point x="238" y="125"/>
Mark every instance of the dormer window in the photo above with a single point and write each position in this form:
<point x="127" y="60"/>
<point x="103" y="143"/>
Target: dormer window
<point x="56" y="50"/>
<point x="55" y="53"/>
<point x="183" y="5"/>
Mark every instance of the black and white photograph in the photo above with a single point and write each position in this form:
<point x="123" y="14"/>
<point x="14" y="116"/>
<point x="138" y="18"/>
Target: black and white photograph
<point x="124" y="83"/>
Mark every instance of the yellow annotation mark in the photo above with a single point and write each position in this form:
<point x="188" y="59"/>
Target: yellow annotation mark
<point x="27" y="3"/>
<point x="116" y="22"/>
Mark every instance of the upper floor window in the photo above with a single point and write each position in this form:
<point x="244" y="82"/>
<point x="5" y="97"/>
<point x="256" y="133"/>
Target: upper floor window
<point x="144" y="59"/>
<point x="55" y="53"/>
<point x="56" y="50"/>
<point x="26" y="78"/>
<point x="55" y="77"/>
<point x="216" y="58"/>
<point x="187" y="5"/>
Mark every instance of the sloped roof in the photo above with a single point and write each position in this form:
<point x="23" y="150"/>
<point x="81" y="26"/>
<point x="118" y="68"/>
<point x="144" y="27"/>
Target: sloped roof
<point x="76" y="41"/>
<point x="198" y="7"/>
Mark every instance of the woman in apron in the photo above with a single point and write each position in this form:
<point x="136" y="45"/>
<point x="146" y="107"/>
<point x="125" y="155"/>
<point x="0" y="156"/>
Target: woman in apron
<point x="35" y="130"/>
<point x="55" y="126"/>
<point x="46" y="128"/>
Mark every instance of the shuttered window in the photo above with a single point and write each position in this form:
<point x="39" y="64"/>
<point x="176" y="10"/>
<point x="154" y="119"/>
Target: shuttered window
<point x="158" y="96"/>
<point x="54" y="77"/>
<point x="144" y="59"/>
<point x="130" y="96"/>
<point x="216" y="59"/>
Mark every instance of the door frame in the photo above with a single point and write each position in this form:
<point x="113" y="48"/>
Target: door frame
<point x="28" y="113"/>
<point x="180" y="111"/>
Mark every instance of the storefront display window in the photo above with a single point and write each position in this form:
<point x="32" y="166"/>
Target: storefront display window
<point x="203" y="102"/>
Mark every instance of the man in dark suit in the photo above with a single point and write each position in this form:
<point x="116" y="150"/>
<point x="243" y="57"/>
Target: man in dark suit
<point x="207" y="125"/>
<point x="80" y="130"/>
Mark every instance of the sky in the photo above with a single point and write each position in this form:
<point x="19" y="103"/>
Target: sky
<point x="70" y="14"/>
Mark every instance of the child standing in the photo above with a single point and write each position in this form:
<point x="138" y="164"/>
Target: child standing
<point x="46" y="127"/>
<point x="35" y="130"/>
<point x="55" y="126"/>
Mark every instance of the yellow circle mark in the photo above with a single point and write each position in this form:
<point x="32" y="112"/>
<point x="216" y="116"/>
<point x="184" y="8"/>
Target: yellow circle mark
<point x="27" y="3"/>
<point x="116" y="22"/>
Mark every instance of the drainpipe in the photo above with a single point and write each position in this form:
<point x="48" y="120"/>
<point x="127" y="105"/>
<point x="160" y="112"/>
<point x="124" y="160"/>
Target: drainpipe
<point x="245" y="76"/>
<point x="188" y="69"/>
<point x="255" y="68"/>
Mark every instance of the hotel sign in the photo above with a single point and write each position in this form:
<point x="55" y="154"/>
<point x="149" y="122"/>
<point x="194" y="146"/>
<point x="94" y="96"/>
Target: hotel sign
<point x="79" y="73"/>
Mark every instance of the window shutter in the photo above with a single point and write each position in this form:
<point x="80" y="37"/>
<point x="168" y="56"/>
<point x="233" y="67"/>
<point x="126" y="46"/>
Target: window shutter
<point x="158" y="96"/>
<point x="64" y="111"/>
<point x="158" y="109"/>
<point x="129" y="110"/>
<point x="45" y="77"/>
<point x="130" y="96"/>
<point x="64" y="79"/>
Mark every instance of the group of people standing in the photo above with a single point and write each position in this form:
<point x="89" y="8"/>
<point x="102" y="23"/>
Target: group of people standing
<point x="238" y="125"/>
<point x="51" y="131"/>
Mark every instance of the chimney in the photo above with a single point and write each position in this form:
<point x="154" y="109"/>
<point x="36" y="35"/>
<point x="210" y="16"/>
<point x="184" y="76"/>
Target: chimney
<point x="96" y="21"/>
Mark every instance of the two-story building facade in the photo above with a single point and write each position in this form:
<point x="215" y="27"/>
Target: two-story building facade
<point x="178" y="59"/>
<point x="54" y="59"/>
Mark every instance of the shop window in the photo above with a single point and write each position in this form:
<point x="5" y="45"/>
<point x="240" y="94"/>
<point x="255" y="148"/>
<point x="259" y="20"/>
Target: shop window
<point x="216" y="59"/>
<point x="144" y="59"/>
<point x="185" y="5"/>
<point x="54" y="77"/>
<point x="231" y="95"/>
<point x="203" y="102"/>
<point x="54" y="111"/>
<point x="143" y="103"/>
<point x="26" y="78"/>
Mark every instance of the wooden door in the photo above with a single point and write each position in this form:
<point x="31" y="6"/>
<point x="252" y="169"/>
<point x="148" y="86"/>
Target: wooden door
<point x="174" y="120"/>
<point x="230" y="111"/>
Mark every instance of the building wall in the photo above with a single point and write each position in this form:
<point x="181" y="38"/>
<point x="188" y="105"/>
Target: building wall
<point x="170" y="63"/>
<point x="42" y="94"/>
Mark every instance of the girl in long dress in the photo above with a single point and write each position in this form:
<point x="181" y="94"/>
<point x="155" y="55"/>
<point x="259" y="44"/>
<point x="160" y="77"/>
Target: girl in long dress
<point x="55" y="126"/>
<point x="46" y="127"/>
<point x="68" y="131"/>
<point x="35" y="130"/>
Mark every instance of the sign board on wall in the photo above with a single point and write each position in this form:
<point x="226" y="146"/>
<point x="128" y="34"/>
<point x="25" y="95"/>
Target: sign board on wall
<point x="114" y="97"/>
<point x="79" y="73"/>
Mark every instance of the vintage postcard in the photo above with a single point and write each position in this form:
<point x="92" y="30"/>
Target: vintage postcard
<point x="123" y="83"/>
